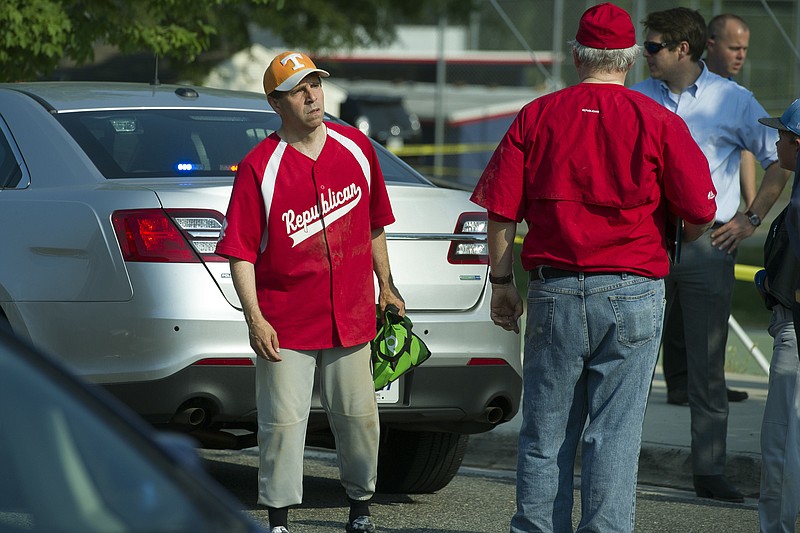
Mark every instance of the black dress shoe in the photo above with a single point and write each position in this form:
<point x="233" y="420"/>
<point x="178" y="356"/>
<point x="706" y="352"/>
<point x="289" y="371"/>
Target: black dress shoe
<point x="678" y="397"/>
<point x="681" y="397"/>
<point x="717" y="488"/>
<point x="737" y="395"/>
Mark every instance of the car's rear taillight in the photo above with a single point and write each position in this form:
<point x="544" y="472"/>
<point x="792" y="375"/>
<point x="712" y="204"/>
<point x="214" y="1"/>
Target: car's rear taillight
<point x="202" y="229"/>
<point x="473" y="248"/>
<point x="173" y="236"/>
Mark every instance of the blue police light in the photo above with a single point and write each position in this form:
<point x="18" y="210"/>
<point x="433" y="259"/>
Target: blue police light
<point x="188" y="167"/>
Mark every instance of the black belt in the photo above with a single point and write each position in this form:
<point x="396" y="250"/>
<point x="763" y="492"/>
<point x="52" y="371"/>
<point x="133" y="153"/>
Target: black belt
<point x="548" y="272"/>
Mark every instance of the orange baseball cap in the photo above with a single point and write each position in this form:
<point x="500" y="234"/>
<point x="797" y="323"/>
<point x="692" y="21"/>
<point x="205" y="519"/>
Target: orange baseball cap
<point x="287" y="70"/>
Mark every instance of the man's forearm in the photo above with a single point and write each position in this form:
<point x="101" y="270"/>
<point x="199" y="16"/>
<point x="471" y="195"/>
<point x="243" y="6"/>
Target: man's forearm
<point x="772" y="185"/>
<point x="388" y="295"/>
<point x="747" y="177"/>
<point x="380" y="259"/>
<point x="692" y="232"/>
<point x="263" y="337"/>
<point x="501" y="247"/>
<point x="244" y="281"/>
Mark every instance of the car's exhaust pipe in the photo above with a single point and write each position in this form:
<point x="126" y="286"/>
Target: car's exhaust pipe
<point x="191" y="416"/>
<point x="492" y="415"/>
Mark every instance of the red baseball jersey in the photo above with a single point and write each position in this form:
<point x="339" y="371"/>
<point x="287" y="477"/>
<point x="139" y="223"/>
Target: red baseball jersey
<point x="593" y="169"/>
<point x="306" y="226"/>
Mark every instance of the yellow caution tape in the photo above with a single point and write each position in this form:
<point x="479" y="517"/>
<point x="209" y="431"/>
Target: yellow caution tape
<point x="745" y="272"/>
<point x="445" y="149"/>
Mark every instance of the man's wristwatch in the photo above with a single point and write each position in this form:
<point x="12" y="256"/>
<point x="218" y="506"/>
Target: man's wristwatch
<point x="500" y="280"/>
<point x="754" y="219"/>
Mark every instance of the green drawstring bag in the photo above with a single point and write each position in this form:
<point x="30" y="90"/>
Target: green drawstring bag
<point x="395" y="349"/>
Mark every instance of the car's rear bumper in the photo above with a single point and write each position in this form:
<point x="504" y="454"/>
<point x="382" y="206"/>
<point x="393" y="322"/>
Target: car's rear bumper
<point x="148" y="358"/>
<point x="460" y="399"/>
<point x="467" y="399"/>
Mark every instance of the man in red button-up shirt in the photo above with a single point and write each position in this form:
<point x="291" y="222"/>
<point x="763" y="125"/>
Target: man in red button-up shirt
<point x="595" y="171"/>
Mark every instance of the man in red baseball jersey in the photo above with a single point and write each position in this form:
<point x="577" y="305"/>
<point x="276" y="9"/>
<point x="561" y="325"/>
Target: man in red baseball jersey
<point x="304" y="234"/>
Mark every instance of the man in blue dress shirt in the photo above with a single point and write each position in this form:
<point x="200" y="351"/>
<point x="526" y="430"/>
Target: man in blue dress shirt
<point x="722" y="116"/>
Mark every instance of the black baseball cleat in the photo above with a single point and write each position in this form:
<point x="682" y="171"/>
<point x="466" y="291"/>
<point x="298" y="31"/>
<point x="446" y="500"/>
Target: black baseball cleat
<point x="362" y="524"/>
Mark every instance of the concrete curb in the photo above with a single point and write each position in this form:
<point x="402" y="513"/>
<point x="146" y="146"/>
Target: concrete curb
<point x="659" y="465"/>
<point x="666" y="466"/>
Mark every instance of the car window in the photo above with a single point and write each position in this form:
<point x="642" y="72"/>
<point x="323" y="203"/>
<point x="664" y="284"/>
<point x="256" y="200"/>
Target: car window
<point x="184" y="142"/>
<point x="66" y="467"/>
<point x="11" y="170"/>
<point x="168" y="142"/>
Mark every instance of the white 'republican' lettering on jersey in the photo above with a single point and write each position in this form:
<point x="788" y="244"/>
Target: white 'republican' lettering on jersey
<point x="335" y="204"/>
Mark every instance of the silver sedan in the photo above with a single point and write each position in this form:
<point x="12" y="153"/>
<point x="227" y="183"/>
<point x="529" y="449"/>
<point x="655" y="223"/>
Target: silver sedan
<point x="111" y="201"/>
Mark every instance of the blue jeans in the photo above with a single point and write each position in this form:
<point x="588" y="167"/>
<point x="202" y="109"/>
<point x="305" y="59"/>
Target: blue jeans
<point x="591" y="344"/>
<point x="779" y="500"/>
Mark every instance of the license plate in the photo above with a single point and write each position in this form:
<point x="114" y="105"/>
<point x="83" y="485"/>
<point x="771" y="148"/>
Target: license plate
<point x="389" y="394"/>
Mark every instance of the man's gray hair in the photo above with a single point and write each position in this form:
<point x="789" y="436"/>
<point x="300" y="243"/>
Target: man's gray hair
<point x="619" y="60"/>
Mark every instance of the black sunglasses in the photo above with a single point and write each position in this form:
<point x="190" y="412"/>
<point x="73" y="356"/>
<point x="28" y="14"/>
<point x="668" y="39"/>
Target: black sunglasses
<point x="653" y="47"/>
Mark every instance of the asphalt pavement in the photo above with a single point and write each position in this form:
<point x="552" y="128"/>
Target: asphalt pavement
<point x="665" y="460"/>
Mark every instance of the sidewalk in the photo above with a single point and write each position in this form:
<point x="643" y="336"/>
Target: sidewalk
<point x="665" y="458"/>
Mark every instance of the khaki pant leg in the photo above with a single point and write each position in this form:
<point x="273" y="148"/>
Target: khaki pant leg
<point x="283" y="400"/>
<point x="348" y="396"/>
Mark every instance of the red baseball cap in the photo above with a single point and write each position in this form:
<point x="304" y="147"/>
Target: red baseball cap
<point x="606" y="27"/>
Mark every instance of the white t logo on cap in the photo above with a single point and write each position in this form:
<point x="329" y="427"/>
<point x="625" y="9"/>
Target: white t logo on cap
<point x="294" y="59"/>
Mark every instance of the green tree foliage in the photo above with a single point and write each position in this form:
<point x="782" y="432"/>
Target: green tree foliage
<point x="35" y="35"/>
<point x="32" y="32"/>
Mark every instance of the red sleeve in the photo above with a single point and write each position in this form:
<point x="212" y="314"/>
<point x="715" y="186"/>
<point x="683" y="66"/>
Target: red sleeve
<point x="500" y="189"/>
<point x="244" y="222"/>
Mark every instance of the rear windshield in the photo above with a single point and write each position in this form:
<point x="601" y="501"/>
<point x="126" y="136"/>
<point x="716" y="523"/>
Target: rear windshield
<point x="153" y="143"/>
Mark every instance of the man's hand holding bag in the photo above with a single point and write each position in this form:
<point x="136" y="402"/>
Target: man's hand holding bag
<point x="395" y="349"/>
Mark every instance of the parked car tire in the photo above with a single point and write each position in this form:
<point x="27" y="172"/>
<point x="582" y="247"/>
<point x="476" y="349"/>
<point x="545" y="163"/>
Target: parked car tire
<point x="418" y="462"/>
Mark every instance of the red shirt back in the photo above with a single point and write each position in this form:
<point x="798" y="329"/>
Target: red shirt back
<point x="593" y="169"/>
